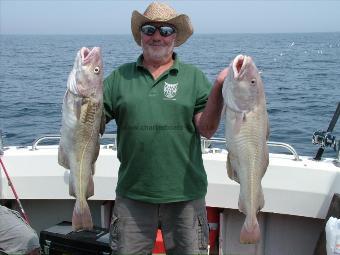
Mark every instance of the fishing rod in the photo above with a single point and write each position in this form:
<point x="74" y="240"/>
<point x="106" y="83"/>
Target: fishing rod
<point x="325" y="138"/>
<point x="11" y="184"/>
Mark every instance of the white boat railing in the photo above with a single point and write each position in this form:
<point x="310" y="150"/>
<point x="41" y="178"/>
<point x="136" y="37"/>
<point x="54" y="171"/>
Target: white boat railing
<point x="57" y="137"/>
<point x="206" y="143"/>
<point x="286" y="146"/>
<point x="43" y="138"/>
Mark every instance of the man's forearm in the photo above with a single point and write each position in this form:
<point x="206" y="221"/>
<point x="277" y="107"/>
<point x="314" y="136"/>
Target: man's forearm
<point x="208" y="121"/>
<point x="210" y="117"/>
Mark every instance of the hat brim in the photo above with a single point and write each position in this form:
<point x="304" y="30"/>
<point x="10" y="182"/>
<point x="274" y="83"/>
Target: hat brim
<point x="181" y="23"/>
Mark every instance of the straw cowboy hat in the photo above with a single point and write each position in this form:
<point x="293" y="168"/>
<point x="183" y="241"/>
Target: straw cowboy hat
<point x="160" y="12"/>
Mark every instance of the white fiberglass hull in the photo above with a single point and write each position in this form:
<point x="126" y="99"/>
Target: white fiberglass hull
<point x="297" y="196"/>
<point x="302" y="188"/>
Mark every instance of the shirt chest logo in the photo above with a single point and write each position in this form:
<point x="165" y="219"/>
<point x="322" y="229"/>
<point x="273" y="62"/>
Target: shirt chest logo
<point x="170" y="90"/>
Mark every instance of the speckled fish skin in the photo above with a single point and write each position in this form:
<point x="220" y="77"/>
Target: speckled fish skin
<point x="80" y="132"/>
<point x="246" y="133"/>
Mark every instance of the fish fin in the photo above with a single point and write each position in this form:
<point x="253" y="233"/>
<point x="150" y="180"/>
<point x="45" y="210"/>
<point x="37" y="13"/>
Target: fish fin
<point x="96" y="154"/>
<point x="63" y="158"/>
<point x="224" y="109"/>
<point x="231" y="172"/>
<point x="81" y="218"/>
<point x="102" y="123"/>
<point x="77" y="108"/>
<point x="71" y="189"/>
<point x="268" y="130"/>
<point x="265" y="161"/>
<point x="90" y="188"/>
<point x="240" y="117"/>
<point x="261" y="200"/>
<point x="241" y="206"/>
<point x="93" y="168"/>
<point x="250" y="232"/>
<point x="95" y="157"/>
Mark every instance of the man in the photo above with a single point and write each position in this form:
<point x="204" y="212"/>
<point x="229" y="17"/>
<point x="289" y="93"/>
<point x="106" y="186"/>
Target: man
<point x="16" y="236"/>
<point x="161" y="109"/>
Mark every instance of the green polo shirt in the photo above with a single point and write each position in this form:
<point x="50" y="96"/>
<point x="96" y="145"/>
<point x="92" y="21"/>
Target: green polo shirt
<point x="159" y="146"/>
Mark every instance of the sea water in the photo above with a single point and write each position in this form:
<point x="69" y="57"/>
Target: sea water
<point x="301" y="74"/>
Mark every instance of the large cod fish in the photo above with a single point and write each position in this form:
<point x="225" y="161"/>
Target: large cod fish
<point x="81" y="124"/>
<point x="246" y="133"/>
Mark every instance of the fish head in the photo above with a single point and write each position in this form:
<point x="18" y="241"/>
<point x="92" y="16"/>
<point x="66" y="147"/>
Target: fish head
<point x="86" y="77"/>
<point x="243" y="86"/>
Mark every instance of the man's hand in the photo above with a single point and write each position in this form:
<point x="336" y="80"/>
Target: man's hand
<point x="221" y="77"/>
<point x="207" y="121"/>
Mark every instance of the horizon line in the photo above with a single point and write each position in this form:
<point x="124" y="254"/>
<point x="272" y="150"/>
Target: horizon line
<point x="201" y="33"/>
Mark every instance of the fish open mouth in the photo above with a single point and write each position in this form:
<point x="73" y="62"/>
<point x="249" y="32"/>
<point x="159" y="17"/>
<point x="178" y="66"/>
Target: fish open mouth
<point x="86" y="53"/>
<point x="239" y="65"/>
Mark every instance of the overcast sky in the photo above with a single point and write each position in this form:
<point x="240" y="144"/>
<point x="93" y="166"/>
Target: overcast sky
<point x="113" y="17"/>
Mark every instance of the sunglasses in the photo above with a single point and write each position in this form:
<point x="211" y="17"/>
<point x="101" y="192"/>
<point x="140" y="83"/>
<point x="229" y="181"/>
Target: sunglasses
<point x="164" y="30"/>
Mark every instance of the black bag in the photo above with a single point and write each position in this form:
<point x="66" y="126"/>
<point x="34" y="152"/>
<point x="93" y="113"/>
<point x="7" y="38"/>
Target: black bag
<point x="61" y="240"/>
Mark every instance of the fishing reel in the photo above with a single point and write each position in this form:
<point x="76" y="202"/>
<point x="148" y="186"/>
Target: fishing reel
<point x="324" y="139"/>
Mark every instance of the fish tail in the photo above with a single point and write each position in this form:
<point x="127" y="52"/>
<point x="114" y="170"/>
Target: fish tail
<point x="81" y="218"/>
<point x="250" y="232"/>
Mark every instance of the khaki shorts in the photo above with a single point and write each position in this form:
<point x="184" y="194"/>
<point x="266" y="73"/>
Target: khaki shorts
<point x="16" y="237"/>
<point x="134" y="227"/>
